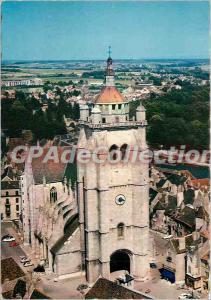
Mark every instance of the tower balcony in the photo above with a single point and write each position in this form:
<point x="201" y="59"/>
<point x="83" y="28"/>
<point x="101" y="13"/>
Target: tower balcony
<point x="113" y="126"/>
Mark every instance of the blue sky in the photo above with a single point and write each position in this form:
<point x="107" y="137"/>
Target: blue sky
<point x="59" y="30"/>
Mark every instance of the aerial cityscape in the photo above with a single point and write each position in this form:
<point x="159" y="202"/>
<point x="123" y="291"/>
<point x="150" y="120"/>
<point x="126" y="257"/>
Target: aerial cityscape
<point x="105" y="182"/>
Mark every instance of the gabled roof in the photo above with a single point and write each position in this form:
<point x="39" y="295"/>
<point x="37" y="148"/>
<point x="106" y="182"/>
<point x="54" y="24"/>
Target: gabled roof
<point x="8" y="172"/>
<point x="106" y="289"/>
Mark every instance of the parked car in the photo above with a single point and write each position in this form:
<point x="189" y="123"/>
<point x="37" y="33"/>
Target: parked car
<point x="185" y="296"/>
<point x="8" y="238"/>
<point x="153" y="265"/>
<point x="13" y="244"/>
<point x="25" y="259"/>
<point x="167" y="236"/>
<point x="28" y="264"/>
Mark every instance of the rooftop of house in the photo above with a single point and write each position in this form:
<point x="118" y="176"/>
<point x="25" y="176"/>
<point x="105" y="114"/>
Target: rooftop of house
<point x="8" y="172"/>
<point x="10" y="270"/>
<point x="106" y="289"/>
<point x="10" y="185"/>
<point x="198" y="172"/>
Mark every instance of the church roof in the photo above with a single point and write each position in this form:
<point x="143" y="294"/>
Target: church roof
<point x="108" y="95"/>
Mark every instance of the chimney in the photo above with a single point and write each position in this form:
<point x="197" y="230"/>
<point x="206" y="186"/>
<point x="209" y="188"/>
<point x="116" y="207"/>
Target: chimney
<point x="181" y="243"/>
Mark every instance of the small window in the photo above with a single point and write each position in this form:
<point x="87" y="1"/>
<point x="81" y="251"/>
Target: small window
<point x="113" y="106"/>
<point x="16" y="193"/>
<point x="119" y="106"/>
<point x="7" y="193"/>
<point x="53" y="194"/>
<point x="17" y="207"/>
<point x="120" y="230"/>
<point x="7" y="201"/>
<point x="103" y="120"/>
<point x="17" y="200"/>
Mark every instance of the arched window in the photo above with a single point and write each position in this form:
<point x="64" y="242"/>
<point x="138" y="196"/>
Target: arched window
<point x="113" y="152"/>
<point x="120" y="230"/>
<point x="53" y="194"/>
<point x="123" y="150"/>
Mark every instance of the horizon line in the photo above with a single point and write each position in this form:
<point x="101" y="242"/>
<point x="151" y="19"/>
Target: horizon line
<point x="103" y="59"/>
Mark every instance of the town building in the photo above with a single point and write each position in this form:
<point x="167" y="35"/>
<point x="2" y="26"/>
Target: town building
<point x="10" y="195"/>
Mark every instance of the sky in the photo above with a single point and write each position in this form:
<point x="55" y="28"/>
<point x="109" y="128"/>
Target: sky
<point x="65" y="30"/>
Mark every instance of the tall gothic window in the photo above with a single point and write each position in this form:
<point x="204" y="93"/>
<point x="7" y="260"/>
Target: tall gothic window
<point x="113" y="152"/>
<point x="123" y="150"/>
<point x="53" y="194"/>
<point x="120" y="230"/>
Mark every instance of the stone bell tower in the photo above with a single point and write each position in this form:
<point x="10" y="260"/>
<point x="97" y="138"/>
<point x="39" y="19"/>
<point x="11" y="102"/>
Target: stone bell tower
<point x="113" y="187"/>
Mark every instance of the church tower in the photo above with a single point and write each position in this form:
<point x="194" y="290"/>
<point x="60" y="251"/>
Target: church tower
<point x="113" y="187"/>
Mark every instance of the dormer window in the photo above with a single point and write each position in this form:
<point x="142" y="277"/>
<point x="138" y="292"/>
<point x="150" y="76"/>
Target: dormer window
<point x="113" y="106"/>
<point x="119" y="106"/>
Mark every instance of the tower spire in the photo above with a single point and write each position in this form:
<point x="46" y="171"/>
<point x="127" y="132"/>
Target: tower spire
<point x="109" y="51"/>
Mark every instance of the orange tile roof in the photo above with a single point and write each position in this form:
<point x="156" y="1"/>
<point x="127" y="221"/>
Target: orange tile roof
<point x="110" y="94"/>
<point x="200" y="182"/>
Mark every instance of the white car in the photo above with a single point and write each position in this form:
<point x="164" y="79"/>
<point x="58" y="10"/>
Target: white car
<point x="166" y="237"/>
<point x="28" y="264"/>
<point x="8" y="238"/>
<point x="24" y="260"/>
<point x="185" y="296"/>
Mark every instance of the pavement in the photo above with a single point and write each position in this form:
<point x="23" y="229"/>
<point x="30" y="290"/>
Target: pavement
<point x="67" y="288"/>
<point x="14" y="252"/>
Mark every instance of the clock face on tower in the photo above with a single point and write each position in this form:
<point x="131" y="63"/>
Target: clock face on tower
<point x="120" y="199"/>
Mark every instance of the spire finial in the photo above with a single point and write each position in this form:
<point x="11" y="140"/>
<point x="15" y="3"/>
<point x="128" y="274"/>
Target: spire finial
<point x="109" y="51"/>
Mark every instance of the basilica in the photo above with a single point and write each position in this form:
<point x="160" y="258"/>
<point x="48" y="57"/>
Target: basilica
<point x="99" y="223"/>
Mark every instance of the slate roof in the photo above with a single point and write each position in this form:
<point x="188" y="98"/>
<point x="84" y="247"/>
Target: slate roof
<point x="10" y="269"/>
<point x="152" y="194"/>
<point x="10" y="185"/>
<point x="189" y="195"/>
<point x="161" y="183"/>
<point x="36" y="294"/>
<point x="176" y="179"/>
<point x="106" y="289"/>
<point x="187" y="216"/>
<point x="8" y="172"/>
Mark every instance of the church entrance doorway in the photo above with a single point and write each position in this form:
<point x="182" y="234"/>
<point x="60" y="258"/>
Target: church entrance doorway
<point x="120" y="260"/>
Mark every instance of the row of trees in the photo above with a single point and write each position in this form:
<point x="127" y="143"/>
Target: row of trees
<point x="26" y="113"/>
<point x="178" y="118"/>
